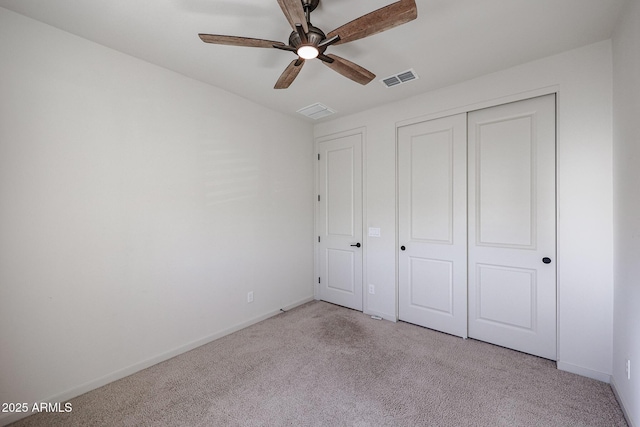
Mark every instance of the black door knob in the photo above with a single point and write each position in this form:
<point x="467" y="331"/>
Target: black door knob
<point x="357" y="245"/>
<point x="546" y="260"/>
<point x="402" y="248"/>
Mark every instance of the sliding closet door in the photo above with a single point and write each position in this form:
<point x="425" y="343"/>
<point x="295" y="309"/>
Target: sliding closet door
<point x="512" y="229"/>
<point x="432" y="225"/>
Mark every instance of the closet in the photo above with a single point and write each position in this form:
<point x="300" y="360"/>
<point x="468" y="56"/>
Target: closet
<point x="477" y="225"/>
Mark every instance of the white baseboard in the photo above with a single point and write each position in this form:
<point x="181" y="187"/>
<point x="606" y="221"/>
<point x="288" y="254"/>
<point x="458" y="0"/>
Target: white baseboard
<point x="622" y="403"/>
<point x="293" y="305"/>
<point x="585" y="372"/>
<point x="6" y="419"/>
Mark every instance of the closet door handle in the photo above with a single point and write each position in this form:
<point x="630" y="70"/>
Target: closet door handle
<point x="357" y="245"/>
<point x="402" y="248"/>
<point x="546" y="260"/>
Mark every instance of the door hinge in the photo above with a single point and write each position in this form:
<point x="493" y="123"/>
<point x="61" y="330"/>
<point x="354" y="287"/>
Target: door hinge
<point x="318" y="280"/>
<point x="318" y="197"/>
<point x="318" y="156"/>
<point x="318" y="239"/>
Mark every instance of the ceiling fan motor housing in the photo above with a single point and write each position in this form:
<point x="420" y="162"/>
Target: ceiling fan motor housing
<point x="314" y="37"/>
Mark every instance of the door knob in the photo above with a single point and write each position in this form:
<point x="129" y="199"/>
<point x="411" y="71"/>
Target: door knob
<point x="546" y="260"/>
<point x="357" y="245"/>
<point x="402" y="248"/>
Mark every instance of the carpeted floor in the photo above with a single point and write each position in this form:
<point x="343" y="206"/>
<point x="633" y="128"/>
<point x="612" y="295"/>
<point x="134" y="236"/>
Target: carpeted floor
<point x="323" y="365"/>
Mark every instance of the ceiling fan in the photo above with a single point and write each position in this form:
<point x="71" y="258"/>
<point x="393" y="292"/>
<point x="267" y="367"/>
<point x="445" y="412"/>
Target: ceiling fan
<point x="310" y="42"/>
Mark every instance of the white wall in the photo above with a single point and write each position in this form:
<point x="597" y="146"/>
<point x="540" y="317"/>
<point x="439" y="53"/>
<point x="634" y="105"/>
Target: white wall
<point x="626" y="137"/>
<point x="137" y="209"/>
<point x="582" y="79"/>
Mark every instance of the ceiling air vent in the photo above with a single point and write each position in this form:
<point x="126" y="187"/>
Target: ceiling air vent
<point x="316" y="111"/>
<point x="400" y="78"/>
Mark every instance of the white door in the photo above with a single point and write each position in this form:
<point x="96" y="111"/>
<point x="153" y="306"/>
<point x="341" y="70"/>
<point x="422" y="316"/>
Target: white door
<point x="432" y="224"/>
<point x="340" y="220"/>
<point x="512" y="235"/>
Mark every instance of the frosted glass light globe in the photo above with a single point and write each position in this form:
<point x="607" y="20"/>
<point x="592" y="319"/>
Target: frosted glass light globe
<point x="307" y="52"/>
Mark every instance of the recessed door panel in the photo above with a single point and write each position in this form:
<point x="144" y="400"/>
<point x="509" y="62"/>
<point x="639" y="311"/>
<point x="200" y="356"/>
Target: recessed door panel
<point x="506" y="296"/>
<point x="512" y="292"/>
<point x="505" y="182"/>
<point x="432" y="191"/>
<point x="432" y="224"/>
<point x="339" y="192"/>
<point x="340" y="220"/>
<point x="340" y="270"/>
<point x="431" y="283"/>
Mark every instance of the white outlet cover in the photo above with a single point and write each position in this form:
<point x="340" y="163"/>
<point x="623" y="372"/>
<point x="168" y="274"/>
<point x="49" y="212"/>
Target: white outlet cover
<point x="374" y="232"/>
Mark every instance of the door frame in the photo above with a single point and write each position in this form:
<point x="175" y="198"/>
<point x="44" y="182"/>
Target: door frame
<point x="548" y="90"/>
<point x="316" y="178"/>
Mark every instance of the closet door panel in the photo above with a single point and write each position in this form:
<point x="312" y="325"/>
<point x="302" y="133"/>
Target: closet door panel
<point x="512" y="233"/>
<point x="432" y="226"/>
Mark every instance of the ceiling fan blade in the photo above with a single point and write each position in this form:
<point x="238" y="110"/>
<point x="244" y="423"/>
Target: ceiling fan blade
<point x="349" y="69"/>
<point x="294" y="12"/>
<point x="238" y="41"/>
<point x="383" y="19"/>
<point x="290" y="73"/>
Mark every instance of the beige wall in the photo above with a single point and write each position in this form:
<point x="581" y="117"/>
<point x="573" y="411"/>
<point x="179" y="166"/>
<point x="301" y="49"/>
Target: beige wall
<point x="137" y="209"/>
<point x="626" y="131"/>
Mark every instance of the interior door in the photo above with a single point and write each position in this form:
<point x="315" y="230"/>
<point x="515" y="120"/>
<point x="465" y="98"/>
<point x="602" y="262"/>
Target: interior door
<point x="340" y="220"/>
<point x="432" y="224"/>
<point x="512" y="229"/>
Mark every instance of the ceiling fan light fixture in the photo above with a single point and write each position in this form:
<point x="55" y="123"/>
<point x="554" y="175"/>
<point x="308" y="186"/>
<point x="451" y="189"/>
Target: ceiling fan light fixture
<point x="308" y="52"/>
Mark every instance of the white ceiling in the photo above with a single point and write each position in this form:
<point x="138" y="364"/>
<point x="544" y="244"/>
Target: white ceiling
<point x="449" y="42"/>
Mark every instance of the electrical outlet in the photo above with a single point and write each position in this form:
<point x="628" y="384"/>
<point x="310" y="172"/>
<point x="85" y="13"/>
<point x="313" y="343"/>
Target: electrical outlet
<point x="372" y="289"/>
<point x="250" y="296"/>
<point x="627" y="369"/>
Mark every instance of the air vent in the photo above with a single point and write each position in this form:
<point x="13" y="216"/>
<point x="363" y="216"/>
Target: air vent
<point x="400" y="78"/>
<point x="316" y="111"/>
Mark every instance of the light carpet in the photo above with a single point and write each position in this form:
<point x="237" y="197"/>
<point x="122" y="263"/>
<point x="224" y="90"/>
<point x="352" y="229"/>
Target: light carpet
<point x="323" y="365"/>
